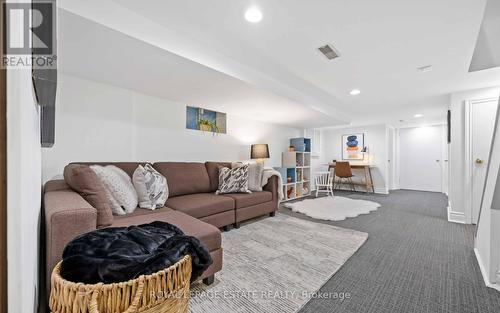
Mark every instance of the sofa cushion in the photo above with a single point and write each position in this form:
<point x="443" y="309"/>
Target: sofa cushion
<point x="243" y="200"/>
<point x="184" y="178"/>
<point x="213" y="173"/>
<point x="206" y="233"/>
<point x="84" y="181"/>
<point x="140" y="211"/>
<point x="55" y="185"/>
<point x="201" y="204"/>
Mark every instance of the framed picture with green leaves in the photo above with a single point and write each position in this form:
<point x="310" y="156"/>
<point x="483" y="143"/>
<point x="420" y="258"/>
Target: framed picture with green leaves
<point x="205" y="120"/>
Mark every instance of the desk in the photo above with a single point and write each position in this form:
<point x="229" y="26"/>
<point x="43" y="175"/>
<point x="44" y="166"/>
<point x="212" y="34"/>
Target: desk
<point x="366" y="169"/>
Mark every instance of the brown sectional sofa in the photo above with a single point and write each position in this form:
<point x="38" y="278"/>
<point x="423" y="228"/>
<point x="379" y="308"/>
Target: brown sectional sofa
<point x="193" y="206"/>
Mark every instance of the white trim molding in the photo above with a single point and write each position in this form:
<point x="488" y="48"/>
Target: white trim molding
<point x="484" y="272"/>
<point x="455" y="217"/>
<point x="383" y="191"/>
<point x="379" y="190"/>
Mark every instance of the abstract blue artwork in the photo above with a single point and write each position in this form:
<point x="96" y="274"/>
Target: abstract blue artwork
<point x="352" y="145"/>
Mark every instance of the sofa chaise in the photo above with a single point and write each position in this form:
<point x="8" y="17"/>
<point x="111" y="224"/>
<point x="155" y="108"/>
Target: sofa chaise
<point x="192" y="206"/>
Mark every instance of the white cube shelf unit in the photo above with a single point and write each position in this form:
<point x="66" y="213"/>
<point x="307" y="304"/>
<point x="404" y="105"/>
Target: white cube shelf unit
<point x="296" y="170"/>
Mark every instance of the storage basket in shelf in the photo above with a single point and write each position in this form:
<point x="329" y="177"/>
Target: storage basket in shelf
<point x="166" y="291"/>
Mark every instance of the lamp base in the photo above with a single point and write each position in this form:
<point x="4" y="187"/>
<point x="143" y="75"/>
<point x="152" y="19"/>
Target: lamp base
<point x="259" y="161"/>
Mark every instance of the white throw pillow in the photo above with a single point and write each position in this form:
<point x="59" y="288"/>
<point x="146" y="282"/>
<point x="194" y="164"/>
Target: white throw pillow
<point x="119" y="187"/>
<point x="255" y="171"/>
<point x="151" y="187"/>
<point x="107" y="182"/>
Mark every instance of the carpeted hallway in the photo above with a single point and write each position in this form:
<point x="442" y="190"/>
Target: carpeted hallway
<point x="413" y="261"/>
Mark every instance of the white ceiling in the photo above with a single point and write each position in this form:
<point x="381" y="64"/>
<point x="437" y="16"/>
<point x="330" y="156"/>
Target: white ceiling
<point x="90" y="50"/>
<point x="381" y="44"/>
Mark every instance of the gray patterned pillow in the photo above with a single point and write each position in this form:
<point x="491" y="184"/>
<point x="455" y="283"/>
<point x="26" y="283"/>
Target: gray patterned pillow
<point x="151" y="187"/>
<point x="233" y="180"/>
<point x="254" y="174"/>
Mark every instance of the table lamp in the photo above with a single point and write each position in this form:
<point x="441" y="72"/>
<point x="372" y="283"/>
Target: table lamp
<point x="259" y="152"/>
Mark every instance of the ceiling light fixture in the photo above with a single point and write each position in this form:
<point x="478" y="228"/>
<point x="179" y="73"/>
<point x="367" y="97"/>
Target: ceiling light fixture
<point x="253" y="15"/>
<point x="355" y="92"/>
<point x="418" y="115"/>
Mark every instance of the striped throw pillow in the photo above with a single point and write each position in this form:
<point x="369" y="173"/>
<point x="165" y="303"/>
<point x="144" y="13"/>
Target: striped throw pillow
<point x="233" y="180"/>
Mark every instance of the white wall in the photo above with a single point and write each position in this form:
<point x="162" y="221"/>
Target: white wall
<point x="99" y="122"/>
<point x="377" y="142"/>
<point x="24" y="191"/>
<point x="457" y="149"/>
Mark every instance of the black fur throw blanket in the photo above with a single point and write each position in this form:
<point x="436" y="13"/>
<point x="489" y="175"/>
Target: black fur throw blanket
<point x="118" y="254"/>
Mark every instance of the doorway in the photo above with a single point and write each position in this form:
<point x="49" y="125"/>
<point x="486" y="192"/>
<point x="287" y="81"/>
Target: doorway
<point x="421" y="163"/>
<point x="480" y="123"/>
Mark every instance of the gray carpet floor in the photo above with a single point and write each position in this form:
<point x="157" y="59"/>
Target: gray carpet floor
<point x="413" y="261"/>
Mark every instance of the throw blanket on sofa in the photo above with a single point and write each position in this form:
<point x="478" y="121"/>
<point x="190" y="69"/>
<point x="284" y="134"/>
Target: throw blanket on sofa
<point x="118" y="254"/>
<point x="268" y="173"/>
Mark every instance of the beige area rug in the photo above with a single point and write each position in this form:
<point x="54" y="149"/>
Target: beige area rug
<point x="275" y="264"/>
<point x="332" y="208"/>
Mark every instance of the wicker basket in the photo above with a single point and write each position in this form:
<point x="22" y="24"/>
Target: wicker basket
<point x="164" y="291"/>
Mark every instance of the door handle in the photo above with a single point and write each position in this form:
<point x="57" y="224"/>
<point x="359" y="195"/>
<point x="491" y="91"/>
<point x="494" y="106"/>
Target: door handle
<point x="479" y="161"/>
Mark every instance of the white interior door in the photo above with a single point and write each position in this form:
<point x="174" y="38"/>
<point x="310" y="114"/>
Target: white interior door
<point x="420" y="158"/>
<point x="482" y="119"/>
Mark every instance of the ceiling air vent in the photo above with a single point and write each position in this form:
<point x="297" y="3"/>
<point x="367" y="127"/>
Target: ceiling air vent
<point x="329" y="52"/>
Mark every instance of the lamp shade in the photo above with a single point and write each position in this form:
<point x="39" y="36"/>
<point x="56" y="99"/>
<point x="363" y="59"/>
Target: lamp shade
<point x="260" y="151"/>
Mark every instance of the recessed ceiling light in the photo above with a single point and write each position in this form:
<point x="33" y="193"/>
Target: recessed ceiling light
<point x="355" y="92"/>
<point x="253" y="15"/>
<point x="418" y="115"/>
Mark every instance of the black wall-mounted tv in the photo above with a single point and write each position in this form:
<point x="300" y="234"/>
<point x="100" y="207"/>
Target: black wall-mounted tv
<point x="45" y="77"/>
<point x="45" y="85"/>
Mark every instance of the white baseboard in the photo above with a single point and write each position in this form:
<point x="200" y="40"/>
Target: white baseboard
<point x="382" y="191"/>
<point x="484" y="273"/>
<point x="455" y="217"/>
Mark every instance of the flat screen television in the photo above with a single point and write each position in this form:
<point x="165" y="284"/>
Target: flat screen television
<point x="45" y="79"/>
<point x="45" y="86"/>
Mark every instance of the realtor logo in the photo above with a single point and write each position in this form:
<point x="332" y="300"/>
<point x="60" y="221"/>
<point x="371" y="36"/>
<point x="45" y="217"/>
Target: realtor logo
<point x="30" y="30"/>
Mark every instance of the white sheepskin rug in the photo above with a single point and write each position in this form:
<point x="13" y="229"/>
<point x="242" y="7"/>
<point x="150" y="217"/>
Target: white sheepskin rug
<point x="333" y="208"/>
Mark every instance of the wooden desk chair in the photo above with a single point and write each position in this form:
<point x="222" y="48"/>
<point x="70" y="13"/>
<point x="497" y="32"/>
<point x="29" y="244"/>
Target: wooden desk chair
<point x="324" y="183"/>
<point x="344" y="173"/>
